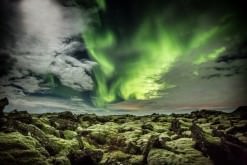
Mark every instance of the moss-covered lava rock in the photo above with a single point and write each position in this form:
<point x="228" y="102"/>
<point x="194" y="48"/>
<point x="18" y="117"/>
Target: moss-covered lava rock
<point x="202" y="137"/>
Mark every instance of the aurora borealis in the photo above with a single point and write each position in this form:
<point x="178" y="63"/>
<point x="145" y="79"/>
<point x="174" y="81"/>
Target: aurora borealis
<point x="125" y="56"/>
<point x="135" y="82"/>
<point x="133" y="58"/>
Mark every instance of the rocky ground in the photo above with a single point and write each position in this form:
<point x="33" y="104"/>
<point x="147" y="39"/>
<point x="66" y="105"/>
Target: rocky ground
<point x="202" y="137"/>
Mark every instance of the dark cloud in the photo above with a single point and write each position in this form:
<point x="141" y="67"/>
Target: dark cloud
<point x="233" y="62"/>
<point x="77" y="48"/>
<point x="9" y="20"/>
<point x="239" y="52"/>
<point x="215" y="75"/>
<point x="231" y="69"/>
<point x="6" y="62"/>
<point x="232" y="57"/>
<point x="67" y="3"/>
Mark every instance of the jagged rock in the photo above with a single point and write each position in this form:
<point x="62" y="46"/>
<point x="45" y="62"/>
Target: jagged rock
<point x="166" y="157"/>
<point x="176" y="126"/>
<point x="103" y="119"/>
<point x="88" y="117"/>
<point x="216" y="148"/>
<point x="38" y="134"/>
<point x="63" y="146"/>
<point x="205" y="113"/>
<point x="44" y="125"/>
<point x="69" y="134"/>
<point x="64" y="138"/>
<point x="67" y="115"/>
<point x="153" y="142"/>
<point x="87" y="157"/>
<point x="64" y="124"/>
<point x="3" y="120"/>
<point x="19" y="149"/>
<point x="104" y="134"/>
<point x="132" y="148"/>
<point x="179" y="151"/>
<point x="237" y="129"/>
<point x="22" y="116"/>
<point x="116" y="158"/>
<point x="136" y="160"/>
<point x="51" y="143"/>
<point x="147" y="126"/>
<point x="241" y="111"/>
<point x="3" y="103"/>
<point x="60" y="160"/>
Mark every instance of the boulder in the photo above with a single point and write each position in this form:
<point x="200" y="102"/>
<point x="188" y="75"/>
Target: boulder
<point x="19" y="149"/>
<point x="3" y="102"/>
<point x="227" y="147"/>
<point x="87" y="157"/>
<point x="22" y="116"/>
<point x="241" y="111"/>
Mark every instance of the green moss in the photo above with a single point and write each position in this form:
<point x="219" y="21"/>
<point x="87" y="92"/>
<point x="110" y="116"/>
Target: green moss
<point x="43" y="124"/>
<point x="17" y="140"/>
<point x="136" y="160"/>
<point x="163" y="157"/>
<point x="69" y="134"/>
<point x="17" y="148"/>
<point x="114" y="156"/>
<point x="87" y="145"/>
<point x="103" y="133"/>
<point x="60" y="160"/>
<point x="64" y="146"/>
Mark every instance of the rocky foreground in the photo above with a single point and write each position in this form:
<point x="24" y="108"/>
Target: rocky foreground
<point x="202" y="137"/>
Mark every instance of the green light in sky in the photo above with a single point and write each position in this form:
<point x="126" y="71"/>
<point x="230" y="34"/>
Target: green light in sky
<point x="131" y="68"/>
<point x="211" y="56"/>
<point x="102" y="4"/>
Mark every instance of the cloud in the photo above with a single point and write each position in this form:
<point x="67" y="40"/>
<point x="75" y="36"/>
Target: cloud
<point x="238" y="53"/>
<point x="40" y="50"/>
<point x="72" y="73"/>
<point x="47" y="104"/>
<point x="232" y="57"/>
<point x="6" y="62"/>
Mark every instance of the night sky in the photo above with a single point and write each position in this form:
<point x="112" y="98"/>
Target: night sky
<point x="132" y="56"/>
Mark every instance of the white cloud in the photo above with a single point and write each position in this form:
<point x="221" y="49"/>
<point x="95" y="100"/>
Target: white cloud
<point x="71" y="72"/>
<point x="44" y="24"/>
<point x="40" y="105"/>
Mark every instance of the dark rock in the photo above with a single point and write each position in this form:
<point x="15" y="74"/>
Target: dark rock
<point x="3" y="124"/>
<point x="67" y="115"/>
<point x="132" y="148"/>
<point x="37" y="134"/>
<point x="241" y="111"/>
<point x="88" y="117"/>
<point x="205" y="113"/>
<point x="19" y="149"/>
<point x="148" y="126"/>
<point x="3" y="103"/>
<point x="63" y="124"/>
<point x="103" y="119"/>
<point x="217" y="133"/>
<point x="22" y="116"/>
<point x="176" y="126"/>
<point x="216" y="148"/>
<point x="87" y="157"/>
<point x="237" y="129"/>
<point x="61" y="160"/>
<point x="152" y="142"/>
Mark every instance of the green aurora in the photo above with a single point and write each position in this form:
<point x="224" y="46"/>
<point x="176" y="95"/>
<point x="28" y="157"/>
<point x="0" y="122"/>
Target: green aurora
<point x="131" y="61"/>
